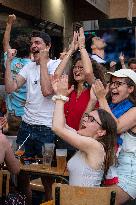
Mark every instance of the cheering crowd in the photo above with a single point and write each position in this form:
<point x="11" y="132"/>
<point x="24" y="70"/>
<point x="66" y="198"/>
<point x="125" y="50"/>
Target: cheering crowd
<point x="90" y="110"/>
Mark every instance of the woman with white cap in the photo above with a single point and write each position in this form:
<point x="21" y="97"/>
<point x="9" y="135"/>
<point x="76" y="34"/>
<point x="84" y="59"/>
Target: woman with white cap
<point x="122" y="90"/>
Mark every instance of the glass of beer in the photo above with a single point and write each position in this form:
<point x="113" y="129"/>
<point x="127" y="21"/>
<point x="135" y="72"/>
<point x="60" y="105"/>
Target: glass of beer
<point x="19" y="152"/>
<point x="47" y="152"/>
<point x="61" y="155"/>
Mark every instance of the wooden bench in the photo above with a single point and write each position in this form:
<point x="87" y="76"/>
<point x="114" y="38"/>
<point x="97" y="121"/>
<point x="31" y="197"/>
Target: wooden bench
<point x="71" y="195"/>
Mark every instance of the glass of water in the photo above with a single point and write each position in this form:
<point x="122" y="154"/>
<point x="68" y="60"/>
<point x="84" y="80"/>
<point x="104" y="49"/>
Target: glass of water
<point x="47" y="152"/>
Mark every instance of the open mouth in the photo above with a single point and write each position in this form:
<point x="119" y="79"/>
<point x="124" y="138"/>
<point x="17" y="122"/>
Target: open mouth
<point x="35" y="51"/>
<point x="114" y="95"/>
<point x="82" y="126"/>
<point x="77" y="74"/>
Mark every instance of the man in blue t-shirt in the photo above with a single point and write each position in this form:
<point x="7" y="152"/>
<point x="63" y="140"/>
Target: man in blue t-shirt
<point x="15" y="101"/>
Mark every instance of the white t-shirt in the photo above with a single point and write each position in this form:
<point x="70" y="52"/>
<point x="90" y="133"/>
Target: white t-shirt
<point x="98" y="59"/>
<point x="38" y="109"/>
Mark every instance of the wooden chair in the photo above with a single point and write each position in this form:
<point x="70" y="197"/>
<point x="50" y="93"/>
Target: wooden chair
<point x="4" y="183"/>
<point x="36" y="185"/>
<point x="71" y="195"/>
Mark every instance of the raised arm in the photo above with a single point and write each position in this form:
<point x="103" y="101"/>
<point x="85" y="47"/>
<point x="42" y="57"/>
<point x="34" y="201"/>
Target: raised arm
<point x="73" y="47"/>
<point x="6" y="38"/>
<point x="92" y="102"/>
<point x="83" y="143"/>
<point x="85" y="57"/>
<point x="122" y="60"/>
<point x="126" y="121"/>
<point x="45" y="81"/>
<point x="11" y="84"/>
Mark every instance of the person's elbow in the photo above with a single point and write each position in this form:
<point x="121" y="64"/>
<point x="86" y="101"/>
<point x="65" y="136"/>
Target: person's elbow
<point x="56" y="129"/>
<point x="9" y="90"/>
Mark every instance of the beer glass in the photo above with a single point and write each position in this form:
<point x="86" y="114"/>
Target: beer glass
<point x="61" y="155"/>
<point x="47" y="152"/>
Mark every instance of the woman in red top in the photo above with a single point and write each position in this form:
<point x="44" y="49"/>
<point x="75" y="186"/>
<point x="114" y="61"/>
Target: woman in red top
<point x="80" y="73"/>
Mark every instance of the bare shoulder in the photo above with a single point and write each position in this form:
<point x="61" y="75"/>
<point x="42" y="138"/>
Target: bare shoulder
<point x="130" y="112"/>
<point x="95" y="157"/>
<point x="95" y="146"/>
<point x="133" y="109"/>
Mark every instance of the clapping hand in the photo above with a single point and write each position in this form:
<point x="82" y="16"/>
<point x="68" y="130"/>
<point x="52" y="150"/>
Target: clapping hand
<point x="99" y="89"/>
<point x="74" y="44"/>
<point x="44" y="54"/>
<point x="60" y="85"/>
<point x="81" y="38"/>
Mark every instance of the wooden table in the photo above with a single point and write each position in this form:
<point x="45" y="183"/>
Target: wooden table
<point x="38" y="168"/>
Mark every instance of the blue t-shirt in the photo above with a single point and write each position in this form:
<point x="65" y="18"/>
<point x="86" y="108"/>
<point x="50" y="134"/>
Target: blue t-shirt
<point x="15" y="101"/>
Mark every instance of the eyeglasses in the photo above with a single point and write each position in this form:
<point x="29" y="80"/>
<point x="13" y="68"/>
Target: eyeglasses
<point x="78" y="67"/>
<point x="91" y="118"/>
<point x="117" y="84"/>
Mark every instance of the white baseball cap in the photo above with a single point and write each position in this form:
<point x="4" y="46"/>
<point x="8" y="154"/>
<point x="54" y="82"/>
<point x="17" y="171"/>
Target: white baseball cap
<point x="124" y="73"/>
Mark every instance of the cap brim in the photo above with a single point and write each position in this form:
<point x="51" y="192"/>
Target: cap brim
<point x="117" y="75"/>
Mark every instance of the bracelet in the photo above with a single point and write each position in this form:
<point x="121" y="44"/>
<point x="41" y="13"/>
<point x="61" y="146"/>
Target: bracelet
<point x="60" y="97"/>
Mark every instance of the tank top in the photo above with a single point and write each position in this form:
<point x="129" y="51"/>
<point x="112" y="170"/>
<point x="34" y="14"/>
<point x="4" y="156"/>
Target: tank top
<point x="129" y="142"/>
<point x="81" y="174"/>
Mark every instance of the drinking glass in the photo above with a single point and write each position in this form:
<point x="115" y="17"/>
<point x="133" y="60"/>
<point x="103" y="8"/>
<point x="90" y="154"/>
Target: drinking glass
<point x="47" y="152"/>
<point x="20" y="151"/>
<point x="61" y="155"/>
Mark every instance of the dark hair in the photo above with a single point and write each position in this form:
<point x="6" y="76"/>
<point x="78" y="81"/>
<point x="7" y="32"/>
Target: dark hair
<point x="131" y="60"/>
<point x="22" y="45"/>
<point x="98" y="71"/>
<point x="45" y="37"/>
<point x="110" y="139"/>
<point x="132" y="96"/>
<point x="89" y="41"/>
